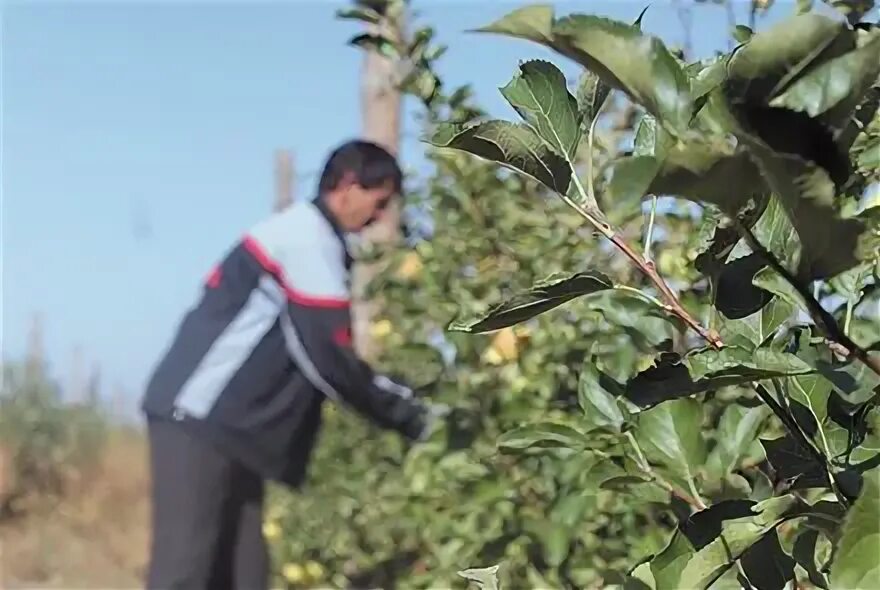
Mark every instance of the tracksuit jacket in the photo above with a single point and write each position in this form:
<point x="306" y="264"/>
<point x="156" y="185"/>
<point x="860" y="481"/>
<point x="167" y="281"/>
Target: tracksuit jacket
<point x="269" y="339"/>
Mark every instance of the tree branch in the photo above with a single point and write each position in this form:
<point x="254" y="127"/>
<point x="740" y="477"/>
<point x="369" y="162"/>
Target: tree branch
<point x="675" y="307"/>
<point x="797" y="432"/>
<point x="823" y="319"/>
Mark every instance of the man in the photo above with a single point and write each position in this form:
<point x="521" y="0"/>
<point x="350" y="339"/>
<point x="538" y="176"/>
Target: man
<point x="236" y="400"/>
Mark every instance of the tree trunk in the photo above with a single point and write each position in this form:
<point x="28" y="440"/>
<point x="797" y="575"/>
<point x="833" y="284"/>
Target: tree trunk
<point x="381" y="113"/>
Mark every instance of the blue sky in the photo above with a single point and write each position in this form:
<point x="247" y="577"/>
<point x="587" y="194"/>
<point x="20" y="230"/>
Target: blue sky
<point x="137" y="143"/>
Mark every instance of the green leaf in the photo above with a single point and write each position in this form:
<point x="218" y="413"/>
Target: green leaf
<point x="851" y="283"/>
<point x="671" y="434"/>
<point x="813" y="392"/>
<point x="540" y="96"/>
<point x="706" y="171"/>
<point x="732" y="291"/>
<point x="742" y="33"/>
<point x="645" y="490"/>
<point x="377" y="43"/>
<point x="422" y="83"/>
<point x="737" y="431"/>
<point x="667" y="566"/>
<point x="714" y="116"/>
<point x="838" y="85"/>
<point x="737" y="536"/>
<point x="674" y="377"/>
<point x="853" y="9"/>
<point x="791" y="460"/>
<point x="598" y="394"/>
<point x="631" y="179"/>
<point x="556" y="542"/>
<point x="743" y="363"/>
<point x="706" y="525"/>
<point x="651" y="139"/>
<point x="804" y="553"/>
<point x="807" y="194"/>
<point x="767" y="565"/>
<point x="853" y="382"/>
<point x="640" y="578"/>
<point x="515" y="146"/>
<point x="623" y="57"/>
<point x="486" y="578"/>
<point x="735" y="295"/>
<point x="591" y="96"/>
<point x="363" y="14"/>
<point x="773" y="57"/>
<point x="857" y="561"/>
<point x="804" y="6"/>
<point x="569" y="510"/>
<point x="709" y="171"/>
<point x="760" y="326"/>
<point x="869" y="159"/>
<point x="619" y="53"/>
<point x="545" y="435"/>
<point x="709" y="77"/>
<point x="533" y="23"/>
<point x="638" y="22"/>
<point x="542" y="297"/>
<point x="853" y="131"/>
<point x="778" y="236"/>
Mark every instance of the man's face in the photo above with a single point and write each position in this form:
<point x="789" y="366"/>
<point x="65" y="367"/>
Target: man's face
<point x="363" y="206"/>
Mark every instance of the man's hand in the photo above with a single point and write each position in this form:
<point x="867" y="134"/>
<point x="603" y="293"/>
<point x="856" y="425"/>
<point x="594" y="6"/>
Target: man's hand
<point x="435" y="414"/>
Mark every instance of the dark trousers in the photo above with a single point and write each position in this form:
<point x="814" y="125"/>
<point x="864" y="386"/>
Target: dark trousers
<point x="206" y="516"/>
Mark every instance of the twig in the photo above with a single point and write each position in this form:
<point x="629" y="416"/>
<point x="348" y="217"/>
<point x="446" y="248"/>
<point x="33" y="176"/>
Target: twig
<point x="649" y="235"/>
<point x="647" y="268"/>
<point x="848" y="319"/>
<point x="590" y="190"/>
<point x="645" y="296"/>
<point x="694" y="500"/>
<point x="797" y="432"/>
<point x="824" y="320"/>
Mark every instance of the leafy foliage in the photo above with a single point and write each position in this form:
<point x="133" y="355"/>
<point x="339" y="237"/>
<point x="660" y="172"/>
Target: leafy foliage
<point x="703" y="418"/>
<point x="45" y="442"/>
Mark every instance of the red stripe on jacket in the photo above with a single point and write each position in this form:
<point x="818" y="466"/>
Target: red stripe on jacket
<point x="272" y="266"/>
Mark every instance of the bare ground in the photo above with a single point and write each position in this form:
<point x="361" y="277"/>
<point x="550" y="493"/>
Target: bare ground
<point x="94" y="537"/>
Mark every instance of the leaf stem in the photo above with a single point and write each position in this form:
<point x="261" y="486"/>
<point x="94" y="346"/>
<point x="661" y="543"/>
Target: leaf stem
<point x="848" y="319"/>
<point x="694" y="500"/>
<point x="799" y="435"/>
<point x="649" y="235"/>
<point x="642" y="294"/>
<point x="824" y="320"/>
<point x="590" y="134"/>
<point x="692" y="486"/>
<point x="675" y="307"/>
<point x="645" y="266"/>
<point x="822" y="437"/>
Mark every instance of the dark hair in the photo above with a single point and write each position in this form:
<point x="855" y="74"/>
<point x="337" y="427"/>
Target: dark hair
<point x="371" y="165"/>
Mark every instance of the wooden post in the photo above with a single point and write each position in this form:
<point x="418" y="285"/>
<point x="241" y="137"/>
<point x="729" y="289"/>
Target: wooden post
<point x="284" y="180"/>
<point x="35" y="359"/>
<point x="381" y="114"/>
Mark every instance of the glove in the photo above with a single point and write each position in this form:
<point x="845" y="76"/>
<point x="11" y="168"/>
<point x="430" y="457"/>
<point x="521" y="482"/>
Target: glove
<point x="434" y="417"/>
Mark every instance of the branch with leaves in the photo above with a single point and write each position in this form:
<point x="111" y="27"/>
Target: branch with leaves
<point x="774" y="141"/>
<point x="756" y="135"/>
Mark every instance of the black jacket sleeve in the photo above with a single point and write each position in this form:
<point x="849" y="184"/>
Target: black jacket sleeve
<point x="319" y="340"/>
<point x="308" y="260"/>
